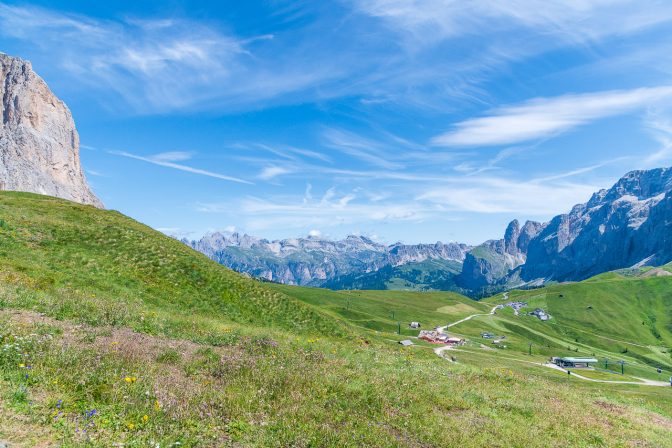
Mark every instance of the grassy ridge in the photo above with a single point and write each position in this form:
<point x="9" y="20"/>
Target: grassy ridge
<point x="83" y="254"/>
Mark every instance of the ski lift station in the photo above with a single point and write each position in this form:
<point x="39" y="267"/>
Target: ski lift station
<point x="575" y="363"/>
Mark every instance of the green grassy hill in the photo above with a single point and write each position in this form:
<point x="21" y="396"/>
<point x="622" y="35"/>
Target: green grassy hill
<point x="112" y="334"/>
<point x="384" y="311"/>
<point x="622" y="316"/>
<point x="100" y="265"/>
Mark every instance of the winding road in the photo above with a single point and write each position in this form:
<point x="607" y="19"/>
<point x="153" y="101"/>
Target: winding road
<point x="443" y="329"/>
<point x="439" y="350"/>
<point x="641" y="382"/>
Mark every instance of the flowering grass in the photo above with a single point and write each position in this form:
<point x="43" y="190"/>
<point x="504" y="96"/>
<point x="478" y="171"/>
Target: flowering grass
<point x="280" y="390"/>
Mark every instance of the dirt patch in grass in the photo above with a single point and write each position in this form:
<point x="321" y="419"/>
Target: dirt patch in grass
<point x="122" y="340"/>
<point x="661" y="421"/>
<point x="611" y="407"/>
<point x="17" y="431"/>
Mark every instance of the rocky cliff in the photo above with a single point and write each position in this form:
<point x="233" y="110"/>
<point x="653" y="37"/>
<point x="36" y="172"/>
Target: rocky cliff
<point x="39" y="145"/>
<point x="492" y="261"/>
<point x="628" y="224"/>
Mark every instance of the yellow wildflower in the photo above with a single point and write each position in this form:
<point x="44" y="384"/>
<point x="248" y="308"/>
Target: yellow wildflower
<point x="131" y="426"/>
<point x="145" y="418"/>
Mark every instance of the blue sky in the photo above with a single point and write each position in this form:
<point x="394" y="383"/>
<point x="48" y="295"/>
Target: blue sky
<point x="410" y="120"/>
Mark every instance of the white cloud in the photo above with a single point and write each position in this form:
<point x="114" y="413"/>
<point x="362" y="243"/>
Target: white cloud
<point x="659" y="125"/>
<point x="500" y="195"/>
<point x="271" y="172"/>
<point x="172" y="156"/>
<point x="571" y="20"/>
<point x="163" y="64"/>
<point x="545" y="117"/>
<point x="449" y="201"/>
<point x="331" y="210"/>
<point x="315" y="233"/>
<point x="292" y="153"/>
<point x="364" y="149"/>
<point x="577" y="171"/>
<point x="164" y="159"/>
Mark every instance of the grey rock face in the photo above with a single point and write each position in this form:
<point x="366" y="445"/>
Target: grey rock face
<point x="628" y="224"/>
<point x="491" y="262"/>
<point x="39" y="145"/>
<point x="313" y="261"/>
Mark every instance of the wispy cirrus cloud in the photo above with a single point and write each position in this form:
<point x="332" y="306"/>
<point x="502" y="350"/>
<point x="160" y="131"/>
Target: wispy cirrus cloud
<point x="426" y="201"/>
<point x="161" y="64"/>
<point x="362" y="148"/>
<point x="271" y="172"/>
<point x="543" y="117"/>
<point x="170" y="159"/>
<point x="659" y="124"/>
<point x="574" y="20"/>
<point x="501" y="195"/>
<point x="331" y="210"/>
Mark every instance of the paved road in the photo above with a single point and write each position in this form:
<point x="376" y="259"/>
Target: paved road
<point x="641" y="382"/>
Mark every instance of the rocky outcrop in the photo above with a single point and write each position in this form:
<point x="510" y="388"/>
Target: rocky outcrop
<point x="491" y="262"/>
<point x="39" y="145"/>
<point x="400" y="254"/>
<point x="628" y="224"/>
<point x="315" y="261"/>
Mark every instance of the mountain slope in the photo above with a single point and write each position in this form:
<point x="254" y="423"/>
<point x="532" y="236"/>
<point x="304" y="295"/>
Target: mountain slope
<point x="428" y="275"/>
<point x="626" y="225"/>
<point x="487" y="264"/>
<point x="39" y="145"/>
<point x="616" y="315"/>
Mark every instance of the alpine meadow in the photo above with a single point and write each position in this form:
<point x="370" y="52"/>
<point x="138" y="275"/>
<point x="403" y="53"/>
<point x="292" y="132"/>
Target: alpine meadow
<point x="353" y="223"/>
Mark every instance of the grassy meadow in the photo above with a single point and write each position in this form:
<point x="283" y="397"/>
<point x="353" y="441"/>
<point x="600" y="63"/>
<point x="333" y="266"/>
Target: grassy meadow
<point x="112" y="334"/>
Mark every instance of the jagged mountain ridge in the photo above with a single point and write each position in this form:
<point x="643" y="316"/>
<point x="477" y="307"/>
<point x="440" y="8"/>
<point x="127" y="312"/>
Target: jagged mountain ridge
<point x="493" y="260"/>
<point x="626" y="225"/>
<point x="39" y="145"/>
<point x="623" y="226"/>
<point x="313" y="260"/>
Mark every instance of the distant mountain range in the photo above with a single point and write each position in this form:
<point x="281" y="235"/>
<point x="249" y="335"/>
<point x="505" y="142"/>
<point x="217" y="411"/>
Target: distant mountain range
<point x="628" y="225"/>
<point x="316" y="261"/>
